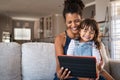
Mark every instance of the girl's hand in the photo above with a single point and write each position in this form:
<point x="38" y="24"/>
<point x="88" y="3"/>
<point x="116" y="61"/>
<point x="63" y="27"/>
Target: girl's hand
<point x="98" y="69"/>
<point x="63" y="73"/>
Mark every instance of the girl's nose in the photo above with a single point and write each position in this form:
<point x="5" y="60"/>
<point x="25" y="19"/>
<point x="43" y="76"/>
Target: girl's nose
<point x="88" y="33"/>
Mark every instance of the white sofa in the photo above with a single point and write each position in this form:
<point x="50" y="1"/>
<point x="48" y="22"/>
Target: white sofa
<point x="36" y="61"/>
<point x="29" y="61"/>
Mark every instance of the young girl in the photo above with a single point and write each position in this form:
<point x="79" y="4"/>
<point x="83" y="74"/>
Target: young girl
<point x="89" y="44"/>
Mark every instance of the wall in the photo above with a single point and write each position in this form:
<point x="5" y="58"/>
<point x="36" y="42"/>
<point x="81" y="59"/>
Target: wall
<point x="114" y="0"/>
<point x="5" y="25"/>
<point x="100" y="9"/>
<point x="58" y="24"/>
<point x="89" y="12"/>
<point x="26" y="24"/>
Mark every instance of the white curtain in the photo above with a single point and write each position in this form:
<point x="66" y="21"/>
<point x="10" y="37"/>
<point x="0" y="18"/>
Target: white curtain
<point x="115" y="30"/>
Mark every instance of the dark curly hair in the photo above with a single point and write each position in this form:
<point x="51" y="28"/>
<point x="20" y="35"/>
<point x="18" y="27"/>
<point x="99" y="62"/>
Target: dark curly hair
<point x="93" y="25"/>
<point x="73" y="6"/>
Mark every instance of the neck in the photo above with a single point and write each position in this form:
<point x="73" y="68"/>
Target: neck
<point x="71" y="35"/>
<point x="84" y="41"/>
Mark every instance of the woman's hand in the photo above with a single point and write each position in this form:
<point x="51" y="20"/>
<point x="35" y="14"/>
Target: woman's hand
<point x="63" y="73"/>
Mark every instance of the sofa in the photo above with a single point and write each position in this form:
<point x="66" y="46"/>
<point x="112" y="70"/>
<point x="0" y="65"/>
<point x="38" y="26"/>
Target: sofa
<point x="36" y="61"/>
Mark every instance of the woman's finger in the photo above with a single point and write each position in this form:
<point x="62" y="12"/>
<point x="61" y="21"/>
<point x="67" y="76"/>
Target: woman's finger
<point x="60" y="72"/>
<point x="64" y="73"/>
<point x="68" y="74"/>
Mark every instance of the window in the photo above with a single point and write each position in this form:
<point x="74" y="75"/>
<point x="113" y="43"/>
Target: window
<point x="22" y="34"/>
<point x="115" y="30"/>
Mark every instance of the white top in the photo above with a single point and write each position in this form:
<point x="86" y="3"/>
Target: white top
<point x="95" y="51"/>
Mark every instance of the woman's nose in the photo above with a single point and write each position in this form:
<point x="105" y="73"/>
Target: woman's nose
<point x="73" y="24"/>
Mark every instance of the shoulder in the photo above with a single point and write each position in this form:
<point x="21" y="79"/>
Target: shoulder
<point x="60" y="38"/>
<point x="93" y="44"/>
<point x="59" y="43"/>
<point x="71" y="47"/>
<point x="72" y="42"/>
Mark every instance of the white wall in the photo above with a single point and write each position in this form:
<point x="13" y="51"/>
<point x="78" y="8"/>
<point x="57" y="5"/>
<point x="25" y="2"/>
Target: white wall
<point x="59" y="24"/>
<point x="101" y="9"/>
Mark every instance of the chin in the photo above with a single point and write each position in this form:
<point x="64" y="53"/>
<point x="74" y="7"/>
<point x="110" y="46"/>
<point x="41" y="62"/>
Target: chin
<point x="75" y="32"/>
<point x="85" y="40"/>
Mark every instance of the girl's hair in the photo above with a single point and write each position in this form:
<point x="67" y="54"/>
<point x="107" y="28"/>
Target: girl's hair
<point x="93" y="25"/>
<point x="73" y="6"/>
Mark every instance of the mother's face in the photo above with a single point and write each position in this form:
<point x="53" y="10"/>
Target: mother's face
<point x="73" y="22"/>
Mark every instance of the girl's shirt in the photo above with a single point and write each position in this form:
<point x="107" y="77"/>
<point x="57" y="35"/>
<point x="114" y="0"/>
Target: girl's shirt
<point x="67" y="43"/>
<point x="77" y="48"/>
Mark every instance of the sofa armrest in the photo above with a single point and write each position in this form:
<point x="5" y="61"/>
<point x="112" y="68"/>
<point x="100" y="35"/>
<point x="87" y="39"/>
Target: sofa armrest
<point x="114" y="69"/>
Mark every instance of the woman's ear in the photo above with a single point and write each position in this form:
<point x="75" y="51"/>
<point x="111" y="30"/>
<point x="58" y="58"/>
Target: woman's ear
<point x="79" y="31"/>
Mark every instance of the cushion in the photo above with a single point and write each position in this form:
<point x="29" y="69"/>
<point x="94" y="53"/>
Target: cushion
<point x="38" y="61"/>
<point x="115" y="71"/>
<point x="10" y="61"/>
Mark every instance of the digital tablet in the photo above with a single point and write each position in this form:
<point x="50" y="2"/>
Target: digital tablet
<point x="79" y="66"/>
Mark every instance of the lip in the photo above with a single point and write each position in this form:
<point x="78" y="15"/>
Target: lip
<point x="74" y="29"/>
<point x="86" y="37"/>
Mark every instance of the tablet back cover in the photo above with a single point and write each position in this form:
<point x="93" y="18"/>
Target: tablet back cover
<point x="79" y="66"/>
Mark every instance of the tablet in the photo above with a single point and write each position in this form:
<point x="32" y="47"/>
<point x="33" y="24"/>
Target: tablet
<point x="79" y="66"/>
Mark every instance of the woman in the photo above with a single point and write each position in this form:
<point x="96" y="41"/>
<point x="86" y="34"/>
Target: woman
<point x="72" y="14"/>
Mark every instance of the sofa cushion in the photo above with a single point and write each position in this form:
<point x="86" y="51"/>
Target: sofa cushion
<point x="10" y="61"/>
<point x="114" y="68"/>
<point x="38" y="61"/>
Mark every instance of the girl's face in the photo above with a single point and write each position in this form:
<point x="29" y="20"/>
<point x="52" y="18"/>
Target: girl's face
<point x="73" y="22"/>
<point x="86" y="34"/>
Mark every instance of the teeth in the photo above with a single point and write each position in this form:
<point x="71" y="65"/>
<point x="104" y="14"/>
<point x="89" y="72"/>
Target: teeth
<point x="74" y="28"/>
<point x="87" y="37"/>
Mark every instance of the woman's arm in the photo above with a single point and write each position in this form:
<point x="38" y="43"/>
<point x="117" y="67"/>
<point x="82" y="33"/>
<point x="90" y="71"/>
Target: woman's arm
<point x="58" y="49"/>
<point x="59" y="44"/>
<point x="103" y="72"/>
<point x="96" y="53"/>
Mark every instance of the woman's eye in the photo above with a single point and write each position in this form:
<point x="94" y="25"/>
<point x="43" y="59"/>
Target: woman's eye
<point x="69" y="22"/>
<point x="77" y="20"/>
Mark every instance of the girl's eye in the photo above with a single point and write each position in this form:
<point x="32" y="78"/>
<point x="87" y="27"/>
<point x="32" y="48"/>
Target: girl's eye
<point x="85" y="30"/>
<point x="92" y="32"/>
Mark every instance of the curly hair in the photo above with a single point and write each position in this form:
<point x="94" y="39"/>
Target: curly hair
<point x="73" y="6"/>
<point x="93" y="25"/>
